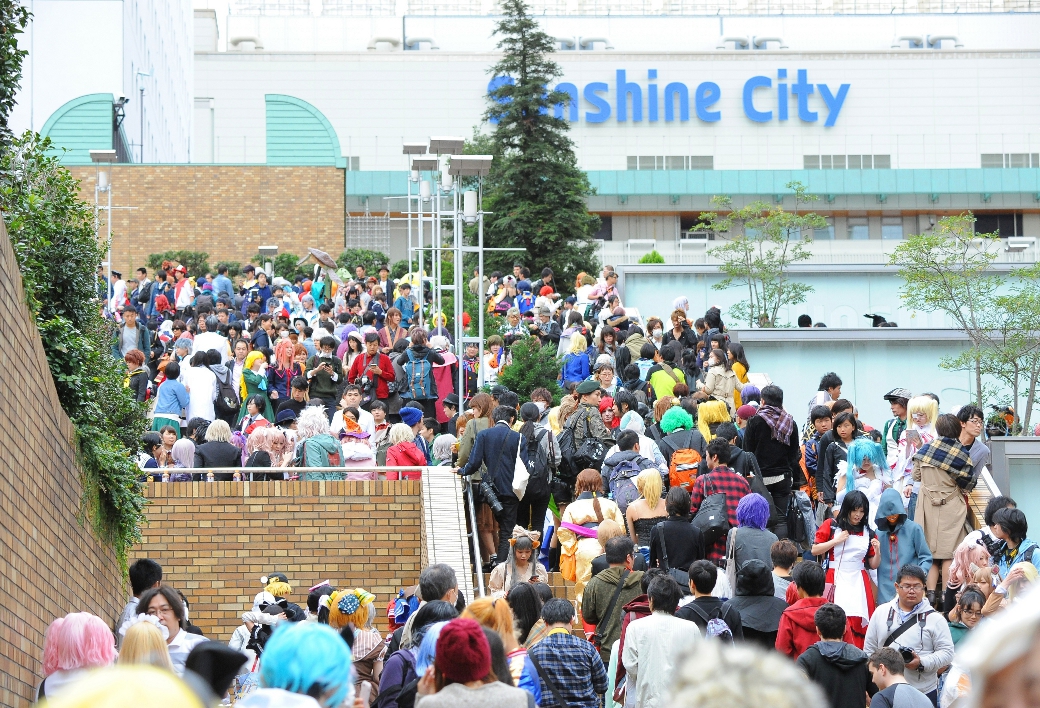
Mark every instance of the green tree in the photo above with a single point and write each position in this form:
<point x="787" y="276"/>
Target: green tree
<point x="652" y="257"/>
<point x="535" y="190"/>
<point x="13" y="18"/>
<point x="948" y="270"/>
<point x="533" y="366"/>
<point x="370" y="259"/>
<point x="196" y="262"/>
<point x="58" y="254"/>
<point x="760" y="243"/>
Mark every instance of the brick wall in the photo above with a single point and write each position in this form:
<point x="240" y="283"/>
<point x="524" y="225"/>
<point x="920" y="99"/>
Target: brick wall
<point x="49" y="563"/>
<point x="226" y="211"/>
<point x="216" y="539"/>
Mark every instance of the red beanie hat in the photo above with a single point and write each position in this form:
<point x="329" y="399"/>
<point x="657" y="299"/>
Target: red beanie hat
<point x="463" y="652"/>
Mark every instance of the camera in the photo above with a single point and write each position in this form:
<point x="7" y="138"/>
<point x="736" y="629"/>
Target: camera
<point x="487" y="491"/>
<point x="907" y="654"/>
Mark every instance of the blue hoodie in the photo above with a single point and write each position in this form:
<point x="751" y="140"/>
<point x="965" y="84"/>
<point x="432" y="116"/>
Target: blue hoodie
<point x="904" y="543"/>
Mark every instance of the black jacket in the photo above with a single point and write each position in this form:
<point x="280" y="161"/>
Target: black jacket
<point x="217" y="454"/>
<point x="684" y="541"/>
<point x="839" y="669"/>
<point x="708" y="606"/>
<point x="497" y="448"/>
<point x="774" y="458"/>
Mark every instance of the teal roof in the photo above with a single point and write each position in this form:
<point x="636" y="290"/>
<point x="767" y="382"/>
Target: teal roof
<point x="298" y="134"/>
<point x="763" y="182"/>
<point x="81" y="125"/>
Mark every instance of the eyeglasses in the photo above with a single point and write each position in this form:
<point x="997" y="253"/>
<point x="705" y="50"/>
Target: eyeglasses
<point x="911" y="588"/>
<point x="971" y="613"/>
<point x="975" y="421"/>
<point x="164" y="610"/>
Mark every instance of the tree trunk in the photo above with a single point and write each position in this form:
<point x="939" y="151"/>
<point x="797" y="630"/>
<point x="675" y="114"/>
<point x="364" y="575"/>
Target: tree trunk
<point x="978" y="378"/>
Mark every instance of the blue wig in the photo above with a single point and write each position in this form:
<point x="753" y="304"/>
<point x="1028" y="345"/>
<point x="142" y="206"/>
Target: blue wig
<point x="753" y="511"/>
<point x="308" y="658"/>
<point x="750" y="392"/>
<point x="428" y="648"/>
<point x="861" y="450"/>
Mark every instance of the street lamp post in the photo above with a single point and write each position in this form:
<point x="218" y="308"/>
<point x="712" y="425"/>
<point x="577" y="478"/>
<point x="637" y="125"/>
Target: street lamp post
<point x="103" y="160"/>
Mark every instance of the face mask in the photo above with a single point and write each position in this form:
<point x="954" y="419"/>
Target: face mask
<point x="541" y="406"/>
<point x="284" y="334"/>
<point x="658" y="334"/>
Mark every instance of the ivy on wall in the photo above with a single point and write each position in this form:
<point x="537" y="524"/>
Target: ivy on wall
<point x="52" y="232"/>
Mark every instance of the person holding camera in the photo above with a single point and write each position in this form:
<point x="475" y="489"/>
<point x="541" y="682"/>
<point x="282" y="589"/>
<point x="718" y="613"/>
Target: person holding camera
<point x="498" y="448"/>
<point x="372" y="372"/>
<point x="323" y="374"/>
<point x="911" y="626"/>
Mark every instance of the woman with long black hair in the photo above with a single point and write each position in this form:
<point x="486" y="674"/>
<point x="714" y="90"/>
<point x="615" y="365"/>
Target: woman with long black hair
<point x="851" y="548"/>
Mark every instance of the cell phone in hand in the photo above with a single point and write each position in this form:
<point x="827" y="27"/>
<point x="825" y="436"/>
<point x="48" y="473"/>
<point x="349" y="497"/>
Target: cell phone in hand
<point x="914" y="438"/>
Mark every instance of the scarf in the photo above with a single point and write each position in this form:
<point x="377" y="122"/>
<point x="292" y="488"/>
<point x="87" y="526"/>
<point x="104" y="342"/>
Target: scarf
<point x="948" y="455"/>
<point x="779" y="421"/>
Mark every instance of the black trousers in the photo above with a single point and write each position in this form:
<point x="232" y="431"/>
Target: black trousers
<point x="781" y="492"/>
<point x="531" y="510"/>
<point x="506" y="521"/>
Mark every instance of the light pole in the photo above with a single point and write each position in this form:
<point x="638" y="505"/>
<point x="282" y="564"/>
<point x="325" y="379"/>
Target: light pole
<point x="103" y="160"/>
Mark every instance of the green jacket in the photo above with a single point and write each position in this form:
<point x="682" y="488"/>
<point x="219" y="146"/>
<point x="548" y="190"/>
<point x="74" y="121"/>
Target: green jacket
<point x="595" y="602"/>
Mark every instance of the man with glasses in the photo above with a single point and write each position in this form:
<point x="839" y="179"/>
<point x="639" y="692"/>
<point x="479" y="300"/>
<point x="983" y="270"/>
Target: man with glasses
<point x="909" y="625"/>
<point x="972" y="424"/>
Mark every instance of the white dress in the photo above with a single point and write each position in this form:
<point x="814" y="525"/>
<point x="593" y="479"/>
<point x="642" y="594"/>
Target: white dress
<point x="903" y="469"/>
<point x="872" y="488"/>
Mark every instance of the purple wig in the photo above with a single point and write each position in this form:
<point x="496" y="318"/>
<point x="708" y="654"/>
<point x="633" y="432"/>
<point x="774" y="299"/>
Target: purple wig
<point x="749" y="393"/>
<point x="753" y="511"/>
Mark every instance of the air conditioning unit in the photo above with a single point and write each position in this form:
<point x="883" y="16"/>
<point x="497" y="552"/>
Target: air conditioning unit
<point x="696" y="236"/>
<point x="1017" y="244"/>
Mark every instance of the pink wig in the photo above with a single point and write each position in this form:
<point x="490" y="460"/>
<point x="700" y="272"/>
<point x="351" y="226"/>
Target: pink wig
<point x="966" y="554"/>
<point x="284" y="352"/>
<point x="79" y="640"/>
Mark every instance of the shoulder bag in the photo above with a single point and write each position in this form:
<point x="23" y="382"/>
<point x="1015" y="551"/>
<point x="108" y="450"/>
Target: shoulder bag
<point x="548" y="681"/>
<point x="828" y="588"/>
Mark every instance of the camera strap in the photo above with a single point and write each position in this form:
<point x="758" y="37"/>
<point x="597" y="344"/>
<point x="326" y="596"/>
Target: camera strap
<point x="901" y="629"/>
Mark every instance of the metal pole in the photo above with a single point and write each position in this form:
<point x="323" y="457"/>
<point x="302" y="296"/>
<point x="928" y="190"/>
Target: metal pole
<point x="474" y="541"/>
<point x="422" y="245"/>
<point x="142" y="121"/>
<point x="460" y="294"/>
<point x="480" y="275"/>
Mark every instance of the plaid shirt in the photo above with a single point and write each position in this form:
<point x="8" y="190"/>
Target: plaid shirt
<point x="725" y="481"/>
<point x="574" y="666"/>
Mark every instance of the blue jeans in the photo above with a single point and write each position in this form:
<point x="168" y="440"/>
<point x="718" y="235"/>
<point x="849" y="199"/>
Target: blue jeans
<point x="912" y="506"/>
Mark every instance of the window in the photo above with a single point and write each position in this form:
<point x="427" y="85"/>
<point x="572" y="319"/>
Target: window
<point x="826" y="233"/>
<point x="842" y="162"/>
<point x="858" y="230"/>
<point x="670" y="162"/>
<point x="892" y="227"/>
<point x="1003" y="224"/>
<point x="606" y="229"/>
<point x="1011" y="160"/>
<point x="353" y="164"/>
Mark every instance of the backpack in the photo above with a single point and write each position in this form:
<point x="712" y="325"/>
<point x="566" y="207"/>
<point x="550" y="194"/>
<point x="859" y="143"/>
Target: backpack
<point x="540" y="465"/>
<point x="418" y="375"/>
<point x="525" y="301"/>
<point x="622" y="483"/>
<point x="227" y="401"/>
<point x="715" y="625"/>
<point x="682" y="468"/>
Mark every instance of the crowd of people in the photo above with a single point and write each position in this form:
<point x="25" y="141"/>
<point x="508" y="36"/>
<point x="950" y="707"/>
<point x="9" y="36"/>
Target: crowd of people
<point x="699" y="523"/>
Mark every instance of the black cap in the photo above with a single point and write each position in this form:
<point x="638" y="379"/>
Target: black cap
<point x="452" y="399"/>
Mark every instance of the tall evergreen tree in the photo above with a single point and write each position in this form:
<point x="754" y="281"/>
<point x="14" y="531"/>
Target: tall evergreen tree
<point x="535" y="189"/>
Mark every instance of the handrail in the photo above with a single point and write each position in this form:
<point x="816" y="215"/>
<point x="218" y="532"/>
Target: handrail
<point x="474" y="536"/>
<point x="201" y="474"/>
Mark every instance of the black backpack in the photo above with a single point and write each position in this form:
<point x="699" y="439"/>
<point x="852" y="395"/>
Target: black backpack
<point x="540" y="466"/>
<point x="227" y="402"/>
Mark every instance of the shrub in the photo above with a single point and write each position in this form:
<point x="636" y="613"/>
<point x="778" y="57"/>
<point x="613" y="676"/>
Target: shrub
<point x="533" y="366"/>
<point x="354" y="257"/>
<point x="234" y="268"/>
<point x="399" y="269"/>
<point x="197" y="262"/>
<point x="58" y="254"/>
<point x="652" y="257"/>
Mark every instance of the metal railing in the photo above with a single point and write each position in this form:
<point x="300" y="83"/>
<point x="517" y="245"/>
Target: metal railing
<point x="293" y="474"/>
